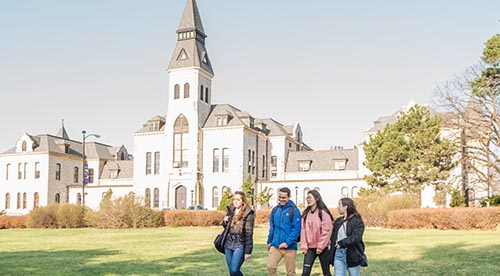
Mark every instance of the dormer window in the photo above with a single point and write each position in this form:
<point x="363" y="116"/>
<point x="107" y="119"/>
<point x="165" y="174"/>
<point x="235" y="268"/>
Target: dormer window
<point x="305" y="165"/>
<point x="339" y="165"/>
<point x="113" y="174"/>
<point x="23" y="146"/>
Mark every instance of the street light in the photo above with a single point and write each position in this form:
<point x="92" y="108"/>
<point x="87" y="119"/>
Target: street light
<point x="85" y="170"/>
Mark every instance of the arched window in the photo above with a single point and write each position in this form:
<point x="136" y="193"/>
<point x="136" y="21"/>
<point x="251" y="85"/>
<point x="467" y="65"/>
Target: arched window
<point x="79" y="198"/>
<point x="344" y="192"/>
<point x="57" y="198"/>
<point x="122" y="156"/>
<point x="206" y="95"/>
<point x="148" y="163"/>
<point x="186" y="90"/>
<point x="156" y="202"/>
<point x="215" y="197"/>
<point x="7" y="201"/>
<point x="306" y="190"/>
<point x="25" y="201"/>
<point x="177" y="92"/>
<point x="18" y="201"/>
<point x="201" y="93"/>
<point x="7" y="169"/>
<point x="147" y="197"/>
<point x="157" y="163"/>
<point x="23" y="146"/>
<point x="354" y="191"/>
<point x="181" y="130"/>
<point x="36" y="200"/>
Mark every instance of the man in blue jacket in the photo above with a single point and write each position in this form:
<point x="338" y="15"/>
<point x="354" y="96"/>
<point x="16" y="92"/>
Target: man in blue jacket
<point x="284" y="231"/>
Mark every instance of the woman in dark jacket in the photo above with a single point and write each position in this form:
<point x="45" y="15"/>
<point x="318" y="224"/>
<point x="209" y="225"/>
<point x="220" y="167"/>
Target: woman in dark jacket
<point x="239" y="242"/>
<point x="347" y="240"/>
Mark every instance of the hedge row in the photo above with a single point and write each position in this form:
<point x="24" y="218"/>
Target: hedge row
<point x="445" y="218"/>
<point x="73" y="216"/>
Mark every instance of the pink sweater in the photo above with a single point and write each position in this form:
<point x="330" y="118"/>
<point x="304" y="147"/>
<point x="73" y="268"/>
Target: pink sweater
<point x="315" y="233"/>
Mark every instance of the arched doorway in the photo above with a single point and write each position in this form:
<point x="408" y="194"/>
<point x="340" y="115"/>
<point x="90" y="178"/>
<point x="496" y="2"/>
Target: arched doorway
<point x="180" y="197"/>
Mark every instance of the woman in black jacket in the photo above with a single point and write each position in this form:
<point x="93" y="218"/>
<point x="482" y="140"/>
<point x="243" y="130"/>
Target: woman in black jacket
<point x="239" y="241"/>
<point x="347" y="240"/>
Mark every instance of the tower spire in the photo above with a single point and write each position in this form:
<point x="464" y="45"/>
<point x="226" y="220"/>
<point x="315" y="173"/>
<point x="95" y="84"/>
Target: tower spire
<point x="190" y="50"/>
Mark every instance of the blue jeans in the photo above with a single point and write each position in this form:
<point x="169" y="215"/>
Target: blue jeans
<point x="340" y="264"/>
<point x="234" y="260"/>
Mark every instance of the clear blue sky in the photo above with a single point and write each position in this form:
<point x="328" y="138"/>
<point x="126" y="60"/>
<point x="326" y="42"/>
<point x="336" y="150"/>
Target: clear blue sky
<point x="333" y="66"/>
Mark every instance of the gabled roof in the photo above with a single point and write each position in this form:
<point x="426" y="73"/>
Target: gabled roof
<point x="223" y="109"/>
<point x="323" y="160"/>
<point x="146" y="126"/>
<point x="125" y="169"/>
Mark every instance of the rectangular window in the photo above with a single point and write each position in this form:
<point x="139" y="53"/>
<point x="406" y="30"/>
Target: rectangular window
<point x="157" y="162"/>
<point x="177" y="150"/>
<point x="253" y="162"/>
<point x="274" y="161"/>
<point x="19" y="171"/>
<point x="148" y="163"/>
<point x="339" y="165"/>
<point x="249" y="161"/>
<point x="18" y="201"/>
<point x="225" y="160"/>
<point x="304" y="166"/>
<point x="24" y="170"/>
<point x="75" y="175"/>
<point x="37" y="170"/>
<point x="91" y="175"/>
<point x="58" y="171"/>
<point x="215" y="160"/>
<point x="264" y="166"/>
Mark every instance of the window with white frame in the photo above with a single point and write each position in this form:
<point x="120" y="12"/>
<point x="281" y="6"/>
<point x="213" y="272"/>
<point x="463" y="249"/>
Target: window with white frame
<point x="225" y="160"/>
<point x="157" y="163"/>
<point x="148" y="163"/>
<point x="339" y="165"/>
<point x="181" y="130"/>
<point x="215" y="160"/>
<point x="344" y="191"/>
<point x="305" y="165"/>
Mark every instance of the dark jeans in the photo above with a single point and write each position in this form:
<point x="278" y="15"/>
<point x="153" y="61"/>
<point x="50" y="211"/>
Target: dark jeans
<point x="323" y="259"/>
<point x="234" y="260"/>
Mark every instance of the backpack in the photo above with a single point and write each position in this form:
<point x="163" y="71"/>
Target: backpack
<point x="290" y="215"/>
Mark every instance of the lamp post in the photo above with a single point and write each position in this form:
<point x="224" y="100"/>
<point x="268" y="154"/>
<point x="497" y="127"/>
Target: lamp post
<point x="85" y="170"/>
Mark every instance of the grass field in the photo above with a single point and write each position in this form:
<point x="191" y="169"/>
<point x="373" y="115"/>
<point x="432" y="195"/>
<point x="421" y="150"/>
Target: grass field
<point x="189" y="251"/>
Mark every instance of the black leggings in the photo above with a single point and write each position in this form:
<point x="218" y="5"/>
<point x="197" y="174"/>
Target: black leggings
<point x="323" y="259"/>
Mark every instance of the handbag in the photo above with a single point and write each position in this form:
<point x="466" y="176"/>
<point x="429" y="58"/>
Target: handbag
<point x="220" y="239"/>
<point x="364" y="260"/>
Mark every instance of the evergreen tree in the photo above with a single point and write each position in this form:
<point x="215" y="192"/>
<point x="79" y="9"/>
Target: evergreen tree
<point x="227" y="198"/>
<point x="409" y="154"/>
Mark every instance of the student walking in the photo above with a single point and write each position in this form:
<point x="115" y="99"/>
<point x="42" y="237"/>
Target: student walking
<point x="239" y="242"/>
<point x="284" y="230"/>
<point x="347" y="240"/>
<point x="315" y="234"/>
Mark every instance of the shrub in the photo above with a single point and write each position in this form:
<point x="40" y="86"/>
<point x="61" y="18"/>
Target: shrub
<point x="374" y="206"/>
<point x="11" y="222"/>
<point x="445" y="218"/>
<point x="123" y="212"/>
<point x="227" y="198"/>
<point x="262" y="216"/>
<point x="183" y="218"/>
<point x="71" y="216"/>
<point x="457" y="199"/>
<point x="43" y="217"/>
<point x="492" y="200"/>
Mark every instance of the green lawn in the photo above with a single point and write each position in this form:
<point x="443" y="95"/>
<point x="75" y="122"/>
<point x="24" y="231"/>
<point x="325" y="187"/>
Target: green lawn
<point x="189" y="251"/>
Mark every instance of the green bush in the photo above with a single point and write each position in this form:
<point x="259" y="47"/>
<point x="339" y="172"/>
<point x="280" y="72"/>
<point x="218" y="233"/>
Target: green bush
<point x="43" y="217"/>
<point x="457" y="199"/>
<point x="71" y="216"/>
<point x="492" y="200"/>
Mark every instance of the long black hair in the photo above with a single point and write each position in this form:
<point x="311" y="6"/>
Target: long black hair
<point x="320" y="204"/>
<point x="351" y="209"/>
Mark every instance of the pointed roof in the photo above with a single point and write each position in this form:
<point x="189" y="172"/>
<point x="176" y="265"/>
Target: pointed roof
<point x="190" y="50"/>
<point x="191" y="19"/>
<point x="62" y="132"/>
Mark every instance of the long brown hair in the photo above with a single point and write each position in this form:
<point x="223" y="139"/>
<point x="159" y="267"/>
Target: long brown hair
<point x="320" y="205"/>
<point x="351" y="209"/>
<point x="244" y="206"/>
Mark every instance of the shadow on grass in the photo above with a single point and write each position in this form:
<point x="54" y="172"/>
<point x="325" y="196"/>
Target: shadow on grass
<point x="454" y="259"/>
<point x="73" y="262"/>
